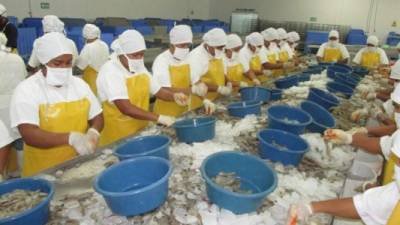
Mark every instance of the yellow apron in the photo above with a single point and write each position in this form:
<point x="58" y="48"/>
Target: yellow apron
<point x="389" y="169"/>
<point x="370" y="59"/>
<point x="394" y="218"/>
<point x="256" y="66"/>
<point x="273" y="60"/>
<point x="118" y="125"/>
<point x="332" y="55"/>
<point x="215" y="76"/>
<point x="180" y="78"/>
<point x="90" y="76"/>
<point x="235" y="74"/>
<point x="62" y="117"/>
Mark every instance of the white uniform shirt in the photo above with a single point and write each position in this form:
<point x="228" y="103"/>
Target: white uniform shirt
<point x="245" y="56"/>
<point x="5" y="137"/>
<point x="111" y="81"/>
<point x="386" y="143"/>
<point x="341" y="47"/>
<point x="230" y="62"/>
<point x="34" y="91"/>
<point x="199" y="60"/>
<point x="376" y="204"/>
<point x="34" y="61"/>
<point x="383" y="57"/>
<point x="161" y="66"/>
<point x="93" y="54"/>
<point x="395" y="73"/>
<point x="288" y="49"/>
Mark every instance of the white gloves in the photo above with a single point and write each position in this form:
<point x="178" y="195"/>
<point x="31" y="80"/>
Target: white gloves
<point x="93" y="137"/>
<point x="166" y="120"/>
<point x="256" y="82"/>
<point x="200" y="89"/>
<point x="181" y="99"/>
<point x="243" y="84"/>
<point x="357" y="115"/>
<point x="225" y="90"/>
<point x="81" y="143"/>
<point x="300" y="212"/>
<point x="338" y="136"/>
<point x="209" y="106"/>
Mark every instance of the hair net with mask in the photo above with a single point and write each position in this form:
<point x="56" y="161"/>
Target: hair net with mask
<point x="293" y="36"/>
<point x="91" y="31"/>
<point x="270" y="34"/>
<point x="255" y="39"/>
<point x="373" y="40"/>
<point x="233" y="41"/>
<point x="334" y="33"/>
<point x="180" y="34"/>
<point x="282" y="34"/>
<point x="215" y="37"/>
<point x="52" y="23"/>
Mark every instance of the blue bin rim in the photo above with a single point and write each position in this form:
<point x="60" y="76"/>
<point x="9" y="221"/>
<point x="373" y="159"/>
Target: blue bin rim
<point x="276" y="90"/>
<point x="251" y="88"/>
<point x="219" y="188"/>
<point x="320" y="108"/>
<point x="285" y="133"/>
<point x="41" y="204"/>
<point x="239" y="105"/>
<point x="292" y="108"/>
<point x="211" y="120"/>
<point x="326" y="93"/>
<point x="291" y="77"/>
<point x="146" y="188"/>
<point x="117" y="154"/>
<point x="340" y="84"/>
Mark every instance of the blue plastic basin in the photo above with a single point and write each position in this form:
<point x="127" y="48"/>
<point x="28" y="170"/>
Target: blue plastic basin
<point x="155" y="145"/>
<point x="321" y="118"/>
<point x="349" y="68"/>
<point x="332" y="70"/>
<point x="258" y="94"/>
<point x="288" y="118"/>
<point x="38" y="214"/>
<point x="281" y="146"/>
<point x="276" y="94"/>
<point x="338" y="88"/>
<point x="254" y="174"/>
<point x="362" y="71"/>
<point x="287" y="82"/>
<point x="304" y="77"/>
<point x="135" y="186"/>
<point x="195" y="130"/>
<point x="322" y="98"/>
<point x="242" y="109"/>
<point x="346" y="79"/>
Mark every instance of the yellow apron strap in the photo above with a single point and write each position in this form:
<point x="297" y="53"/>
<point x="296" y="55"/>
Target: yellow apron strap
<point x="389" y="170"/>
<point x="332" y="55"/>
<point x="370" y="59"/>
<point x="90" y="76"/>
<point x="215" y="76"/>
<point x="118" y="125"/>
<point x="394" y="218"/>
<point x="180" y="78"/>
<point x="63" y="117"/>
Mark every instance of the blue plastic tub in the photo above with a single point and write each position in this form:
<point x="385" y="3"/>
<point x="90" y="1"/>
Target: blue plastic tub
<point x="281" y="146"/>
<point x="254" y="175"/>
<point x="287" y="82"/>
<point x="276" y="94"/>
<point x="38" y="214"/>
<point x="195" y="130"/>
<point x="346" y="79"/>
<point x="135" y="186"/>
<point x="321" y="118"/>
<point x="362" y="71"/>
<point x="304" y="77"/>
<point x="325" y="65"/>
<point x="155" y="145"/>
<point x="339" y="89"/>
<point x="288" y="118"/>
<point x="258" y="94"/>
<point x="332" y="70"/>
<point x="242" y="109"/>
<point x="322" y="98"/>
<point x="316" y="69"/>
<point x="349" y="68"/>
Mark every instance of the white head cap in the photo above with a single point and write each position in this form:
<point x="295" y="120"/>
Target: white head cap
<point x="233" y="41"/>
<point x="255" y="39"/>
<point x="293" y="36"/>
<point x="3" y="11"/>
<point x="215" y="37"/>
<point x="131" y="41"/>
<point x="395" y="96"/>
<point x="91" y="31"/>
<point x="396" y="145"/>
<point x="334" y="33"/>
<point x="270" y="34"/>
<point x="181" y="34"/>
<point x="50" y="46"/>
<point x="373" y="40"/>
<point x="52" y="23"/>
<point x="282" y="34"/>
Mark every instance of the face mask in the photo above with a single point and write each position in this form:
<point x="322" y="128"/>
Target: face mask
<point x="135" y="65"/>
<point x="218" y="53"/>
<point x="333" y="44"/>
<point x="58" y="76"/>
<point x="397" y="175"/>
<point x="235" y="55"/>
<point x="181" y="53"/>
<point x="397" y="119"/>
<point x="371" y="48"/>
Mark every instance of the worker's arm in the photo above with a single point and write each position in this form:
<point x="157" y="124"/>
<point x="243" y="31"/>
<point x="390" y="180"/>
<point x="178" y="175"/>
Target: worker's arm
<point x="36" y="137"/>
<point x="186" y="91"/>
<point x="337" y="207"/>
<point x="381" y="131"/>
<point x="369" y="144"/>
<point x="165" y="94"/>
<point x="126" y="108"/>
<point x="212" y="87"/>
<point x="383" y="95"/>
<point x="250" y="74"/>
<point x="97" y="122"/>
<point x="4" y="153"/>
<point x="343" y="61"/>
<point x="270" y="66"/>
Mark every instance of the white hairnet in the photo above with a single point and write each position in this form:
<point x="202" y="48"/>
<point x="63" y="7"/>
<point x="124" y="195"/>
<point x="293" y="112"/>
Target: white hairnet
<point x="395" y="96"/>
<point x="91" y="31"/>
<point x="215" y="37"/>
<point x="293" y="36"/>
<point x="373" y="40"/>
<point x="131" y="41"/>
<point x="3" y="11"/>
<point x="396" y="145"/>
<point x="52" y="23"/>
<point x="181" y="34"/>
<point x="50" y="46"/>
<point x="255" y="39"/>
<point x="334" y="33"/>
<point x="282" y="34"/>
<point x="233" y="41"/>
<point x="270" y="34"/>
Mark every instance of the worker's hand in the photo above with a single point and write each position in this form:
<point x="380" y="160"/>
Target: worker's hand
<point x="338" y="136"/>
<point x="209" y="106"/>
<point x="256" y="82"/>
<point x="181" y="99"/>
<point x="93" y="137"/>
<point x="166" y="120"/>
<point x="200" y="89"/>
<point x="359" y="114"/>
<point x="80" y="143"/>
<point x="225" y="90"/>
<point x="243" y="84"/>
<point x="299" y="213"/>
<point x="288" y="65"/>
<point x="361" y="130"/>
